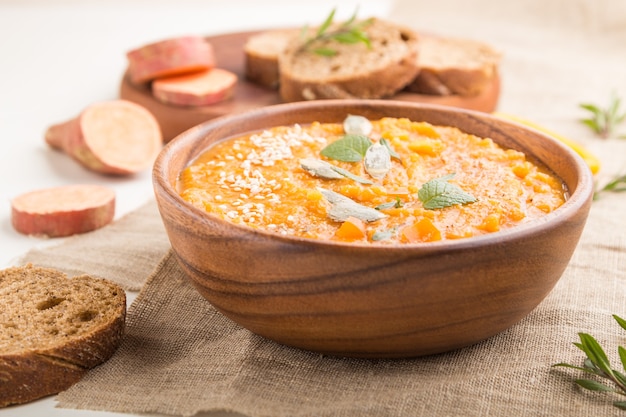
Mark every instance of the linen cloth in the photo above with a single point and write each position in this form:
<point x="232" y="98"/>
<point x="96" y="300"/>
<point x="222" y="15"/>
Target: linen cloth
<point x="181" y="357"/>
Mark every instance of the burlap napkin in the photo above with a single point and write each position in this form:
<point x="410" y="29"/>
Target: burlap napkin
<point x="182" y="357"/>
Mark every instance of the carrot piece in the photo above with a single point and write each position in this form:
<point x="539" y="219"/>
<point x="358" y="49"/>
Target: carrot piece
<point x="198" y="89"/>
<point x="63" y="211"/>
<point x="423" y="230"/>
<point x="491" y="223"/>
<point x="112" y="137"/>
<point x="169" y="57"/>
<point x="351" y="229"/>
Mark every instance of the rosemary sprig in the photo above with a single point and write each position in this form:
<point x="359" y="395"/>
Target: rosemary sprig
<point x="597" y="363"/>
<point x="616" y="185"/>
<point x="349" y="32"/>
<point x="604" y="121"/>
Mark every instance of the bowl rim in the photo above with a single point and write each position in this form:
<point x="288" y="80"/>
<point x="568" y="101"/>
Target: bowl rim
<point x="579" y="199"/>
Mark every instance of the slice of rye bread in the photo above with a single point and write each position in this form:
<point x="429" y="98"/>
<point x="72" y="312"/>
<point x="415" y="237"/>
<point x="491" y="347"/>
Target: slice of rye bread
<point x="454" y="66"/>
<point x="53" y="329"/>
<point x="355" y="70"/>
<point x="261" y="53"/>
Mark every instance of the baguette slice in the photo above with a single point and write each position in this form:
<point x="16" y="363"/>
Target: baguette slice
<point x="53" y="329"/>
<point x="261" y="53"/>
<point x="450" y="66"/>
<point x="355" y="71"/>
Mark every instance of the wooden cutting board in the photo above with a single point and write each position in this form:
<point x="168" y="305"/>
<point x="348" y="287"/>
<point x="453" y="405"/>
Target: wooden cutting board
<point x="230" y="55"/>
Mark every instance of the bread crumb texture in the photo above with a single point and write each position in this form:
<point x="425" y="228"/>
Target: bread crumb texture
<point x="54" y="328"/>
<point x="355" y="69"/>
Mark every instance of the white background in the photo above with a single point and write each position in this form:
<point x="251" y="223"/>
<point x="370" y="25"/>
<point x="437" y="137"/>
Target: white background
<point x="58" y="56"/>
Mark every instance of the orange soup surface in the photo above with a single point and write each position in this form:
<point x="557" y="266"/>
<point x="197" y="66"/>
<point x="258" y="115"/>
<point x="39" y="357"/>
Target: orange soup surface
<point x="323" y="181"/>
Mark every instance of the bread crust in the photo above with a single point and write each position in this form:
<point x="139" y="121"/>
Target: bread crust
<point x="261" y="53"/>
<point x="371" y="72"/>
<point x="27" y="374"/>
<point x="452" y="66"/>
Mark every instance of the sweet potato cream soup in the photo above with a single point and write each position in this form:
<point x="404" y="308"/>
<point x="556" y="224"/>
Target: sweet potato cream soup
<point x="387" y="181"/>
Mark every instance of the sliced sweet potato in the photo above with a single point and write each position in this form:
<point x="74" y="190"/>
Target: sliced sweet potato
<point x="169" y="57"/>
<point x="198" y="89"/>
<point x="113" y="137"/>
<point x="63" y="211"/>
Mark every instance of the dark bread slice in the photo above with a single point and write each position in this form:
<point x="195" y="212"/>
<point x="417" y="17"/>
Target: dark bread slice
<point x="355" y="71"/>
<point x="261" y="53"/>
<point x="454" y="66"/>
<point x="53" y="329"/>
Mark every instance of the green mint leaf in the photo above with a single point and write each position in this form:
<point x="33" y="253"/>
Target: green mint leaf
<point x="594" y="386"/>
<point x="439" y="193"/>
<point x="350" y="148"/>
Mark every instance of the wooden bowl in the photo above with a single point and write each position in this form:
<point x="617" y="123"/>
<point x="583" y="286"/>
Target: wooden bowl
<point x="364" y="301"/>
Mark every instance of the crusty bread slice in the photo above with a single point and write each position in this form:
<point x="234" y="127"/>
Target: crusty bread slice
<point x="355" y="71"/>
<point x="53" y="329"/>
<point x="261" y="53"/>
<point x="450" y="66"/>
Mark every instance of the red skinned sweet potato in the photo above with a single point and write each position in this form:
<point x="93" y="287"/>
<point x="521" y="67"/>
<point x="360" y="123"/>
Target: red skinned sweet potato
<point x="63" y="211"/>
<point x="169" y="57"/>
<point x="113" y="137"/>
<point x="197" y="89"/>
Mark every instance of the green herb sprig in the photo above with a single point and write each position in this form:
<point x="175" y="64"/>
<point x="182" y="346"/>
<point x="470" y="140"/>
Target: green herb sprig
<point x="348" y="32"/>
<point x="597" y="363"/>
<point x="616" y="185"/>
<point x="604" y="121"/>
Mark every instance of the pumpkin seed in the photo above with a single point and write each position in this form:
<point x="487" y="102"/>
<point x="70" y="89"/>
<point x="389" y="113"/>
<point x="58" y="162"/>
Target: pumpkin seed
<point x="357" y="125"/>
<point x="377" y="161"/>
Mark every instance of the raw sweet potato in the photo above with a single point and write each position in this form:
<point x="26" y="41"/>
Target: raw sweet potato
<point x="63" y="211"/>
<point x="112" y="137"/>
<point x="198" y="89"/>
<point x="169" y="57"/>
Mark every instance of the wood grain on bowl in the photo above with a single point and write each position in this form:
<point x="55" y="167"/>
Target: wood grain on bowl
<point x="363" y="301"/>
<point x="229" y="55"/>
